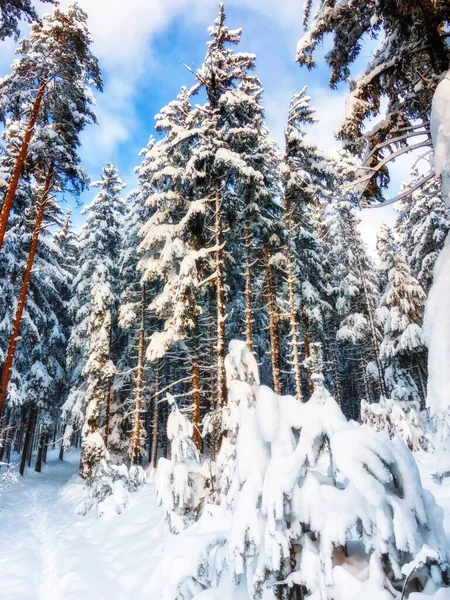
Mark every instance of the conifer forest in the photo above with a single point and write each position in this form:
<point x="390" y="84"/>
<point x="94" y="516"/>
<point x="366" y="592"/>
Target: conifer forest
<point x="211" y="386"/>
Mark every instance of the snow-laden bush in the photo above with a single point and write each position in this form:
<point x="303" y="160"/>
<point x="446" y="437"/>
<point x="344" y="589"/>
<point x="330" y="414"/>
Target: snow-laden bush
<point x="180" y="481"/>
<point x="333" y="508"/>
<point x="397" y="418"/>
<point x="108" y="490"/>
<point x="8" y="475"/>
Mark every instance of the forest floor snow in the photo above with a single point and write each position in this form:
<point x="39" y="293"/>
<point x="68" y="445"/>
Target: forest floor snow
<point x="49" y="552"/>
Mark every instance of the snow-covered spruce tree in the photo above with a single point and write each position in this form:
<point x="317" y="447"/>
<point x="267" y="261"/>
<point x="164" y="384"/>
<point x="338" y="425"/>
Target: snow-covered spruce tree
<point x="48" y="87"/>
<point x="127" y="432"/>
<point x="229" y="166"/>
<point x="305" y="175"/>
<point x="12" y="12"/>
<point x="354" y="294"/>
<point x="422" y="226"/>
<point x="310" y="495"/>
<point x="399" y="418"/>
<point x="172" y="247"/>
<point x="99" y="248"/>
<point x="99" y="369"/>
<point x="179" y="481"/>
<point x="401" y="307"/>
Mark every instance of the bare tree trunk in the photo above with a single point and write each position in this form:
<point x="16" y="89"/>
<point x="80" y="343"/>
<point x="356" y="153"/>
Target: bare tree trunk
<point x="221" y="308"/>
<point x="107" y="428"/>
<point x="40" y="453"/>
<point x="137" y="413"/>
<point x="196" y="389"/>
<point x="12" y="187"/>
<point x="32" y="439"/>
<point x="45" y="448"/>
<point x="61" y="448"/>
<point x="27" y="443"/>
<point x="154" y="451"/>
<point x="6" y="372"/>
<point x="273" y="325"/>
<point x="248" y="291"/>
<point x="291" y="306"/>
<point x="4" y="433"/>
<point x="307" y="355"/>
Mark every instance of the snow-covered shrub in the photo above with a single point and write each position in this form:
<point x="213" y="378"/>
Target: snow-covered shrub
<point x="109" y="487"/>
<point x="8" y="475"/>
<point x="398" y="418"/>
<point x="180" y="481"/>
<point x="336" y="509"/>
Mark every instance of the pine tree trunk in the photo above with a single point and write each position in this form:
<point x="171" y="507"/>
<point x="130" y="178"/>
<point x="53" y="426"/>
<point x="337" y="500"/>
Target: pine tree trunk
<point x="155" y="415"/>
<point x="336" y="376"/>
<point x="17" y="170"/>
<point x="212" y="355"/>
<point x="27" y="442"/>
<point x="248" y="291"/>
<point x="6" y="372"/>
<point x="45" y="449"/>
<point x="4" y="433"/>
<point x="291" y="307"/>
<point x="107" y="429"/>
<point x="61" y="450"/>
<point x="136" y="433"/>
<point x="221" y="308"/>
<point x="196" y="388"/>
<point x="307" y="355"/>
<point x="32" y="440"/>
<point x="273" y="325"/>
<point x="40" y="452"/>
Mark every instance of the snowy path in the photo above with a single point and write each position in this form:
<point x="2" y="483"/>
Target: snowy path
<point x="48" y="552"/>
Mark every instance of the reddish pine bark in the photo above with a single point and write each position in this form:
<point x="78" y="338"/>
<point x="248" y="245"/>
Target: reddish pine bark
<point x="6" y="372"/>
<point x="12" y="187"/>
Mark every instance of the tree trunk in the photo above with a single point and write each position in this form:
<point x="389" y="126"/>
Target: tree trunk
<point x="196" y="387"/>
<point x="136" y="433"/>
<point x="307" y="355"/>
<point x="106" y="430"/>
<point x="40" y="452"/>
<point x="45" y="448"/>
<point x="291" y="307"/>
<point x="154" y="451"/>
<point x="248" y="291"/>
<point x="61" y="450"/>
<point x="12" y="187"/>
<point x="32" y="439"/>
<point x="273" y="325"/>
<point x="221" y="308"/>
<point x="27" y="442"/>
<point x="6" y="372"/>
<point x="4" y="433"/>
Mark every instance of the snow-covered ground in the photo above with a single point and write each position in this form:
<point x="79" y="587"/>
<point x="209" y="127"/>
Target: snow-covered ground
<point x="49" y="552"/>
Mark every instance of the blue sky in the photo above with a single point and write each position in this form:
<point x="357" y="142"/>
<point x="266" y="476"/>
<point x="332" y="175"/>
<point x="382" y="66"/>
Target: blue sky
<point x="142" y="45"/>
